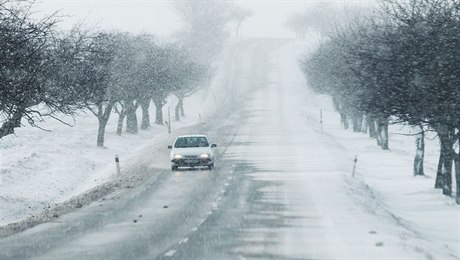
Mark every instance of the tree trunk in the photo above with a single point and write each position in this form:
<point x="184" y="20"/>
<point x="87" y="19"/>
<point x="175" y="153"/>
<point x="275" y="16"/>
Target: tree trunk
<point x="457" y="177"/>
<point x="385" y="138"/>
<point x="8" y="127"/>
<point x="364" y="124"/>
<point x="356" y="123"/>
<point x="131" y="118"/>
<point x="181" y="107"/>
<point x="360" y="123"/>
<point x="101" y="131"/>
<point x="103" y="116"/>
<point x="335" y="104"/>
<point x="145" y="104"/>
<point x="177" y="113"/>
<point x="439" y="180"/>
<point x="237" y="30"/>
<point x="158" y="112"/>
<point x="120" y="109"/>
<point x="457" y="172"/>
<point x="420" y="152"/>
<point x="382" y="134"/>
<point x="121" y="117"/>
<point x="446" y="136"/>
<point x="447" y="175"/>
<point x="371" y="127"/>
<point x="344" y="120"/>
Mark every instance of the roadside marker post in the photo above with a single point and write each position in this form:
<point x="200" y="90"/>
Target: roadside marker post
<point x="355" y="161"/>
<point x="321" y="119"/>
<point x="117" y="163"/>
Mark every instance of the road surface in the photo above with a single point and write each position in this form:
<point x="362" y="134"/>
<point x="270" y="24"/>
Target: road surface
<point x="278" y="189"/>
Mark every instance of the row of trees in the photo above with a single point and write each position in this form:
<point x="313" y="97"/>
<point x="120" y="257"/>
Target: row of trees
<point x="122" y="73"/>
<point x="400" y="66"/>
<point x="46" y="73"/>
<point x="321" y="18"/>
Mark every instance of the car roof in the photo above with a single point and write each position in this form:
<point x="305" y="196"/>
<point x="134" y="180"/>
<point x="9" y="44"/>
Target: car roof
<point x="192" y="136"/>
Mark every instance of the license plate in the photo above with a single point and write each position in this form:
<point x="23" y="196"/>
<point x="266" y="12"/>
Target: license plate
<point x="190" y="161"/>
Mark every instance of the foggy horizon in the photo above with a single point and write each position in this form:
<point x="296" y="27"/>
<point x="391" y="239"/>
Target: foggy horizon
<point x="267" y="21"/>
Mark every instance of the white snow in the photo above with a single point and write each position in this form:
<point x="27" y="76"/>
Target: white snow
<point x="385" y="184"/>
<point x="384" y="211"/>
<point x="170" y="253"/>
<point x="39" y="169"/>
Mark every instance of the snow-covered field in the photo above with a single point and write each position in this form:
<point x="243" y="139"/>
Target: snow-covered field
<point x="39" y="169"/>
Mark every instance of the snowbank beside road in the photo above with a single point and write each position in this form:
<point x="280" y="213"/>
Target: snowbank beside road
<point x="40" y="169"/>
<point x="385" y="184"/>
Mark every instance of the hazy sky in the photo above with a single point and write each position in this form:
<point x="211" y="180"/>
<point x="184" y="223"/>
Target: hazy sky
<point x="157" y="16"/>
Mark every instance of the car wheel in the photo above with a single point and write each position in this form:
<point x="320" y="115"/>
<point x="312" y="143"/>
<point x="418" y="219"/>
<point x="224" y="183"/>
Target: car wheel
<point x="210" y="167"/>
<point x="174" y="168"/>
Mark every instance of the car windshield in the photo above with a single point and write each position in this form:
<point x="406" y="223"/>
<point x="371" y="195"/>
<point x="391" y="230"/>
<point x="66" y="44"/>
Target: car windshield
<point x="192" y="141"/>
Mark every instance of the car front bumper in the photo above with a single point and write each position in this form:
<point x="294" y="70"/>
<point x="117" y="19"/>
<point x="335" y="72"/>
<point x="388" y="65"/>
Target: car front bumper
<point x="192" y="162"/>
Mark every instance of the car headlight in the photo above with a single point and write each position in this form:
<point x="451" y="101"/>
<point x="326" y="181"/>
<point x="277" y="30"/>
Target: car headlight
<point x="204" y="156"/>
<point x="177" y="156"/>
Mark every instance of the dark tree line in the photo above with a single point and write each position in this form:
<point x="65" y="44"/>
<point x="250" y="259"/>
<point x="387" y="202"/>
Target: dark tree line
<point x="402" y="66"/>
<point x="46" y="73"/>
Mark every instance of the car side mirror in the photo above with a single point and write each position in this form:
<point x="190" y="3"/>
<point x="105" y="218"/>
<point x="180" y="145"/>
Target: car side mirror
<point x="169" y="146"/>
<point x="213" y="145"/>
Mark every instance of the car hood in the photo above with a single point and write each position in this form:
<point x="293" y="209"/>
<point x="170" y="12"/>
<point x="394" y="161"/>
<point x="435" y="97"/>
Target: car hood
<point x="191" y="151"/>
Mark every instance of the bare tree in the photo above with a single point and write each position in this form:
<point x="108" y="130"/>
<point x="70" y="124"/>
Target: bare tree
<point x="95" y="79"/>
<point x="205" y="27"/>
<point x="190" y="77"/>
<point x="26" y="62"/>
<point x="239" y="15"/>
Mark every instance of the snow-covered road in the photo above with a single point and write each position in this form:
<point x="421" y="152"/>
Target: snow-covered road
<point x="288" y="198"/>
<point x="280" y="189"/>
